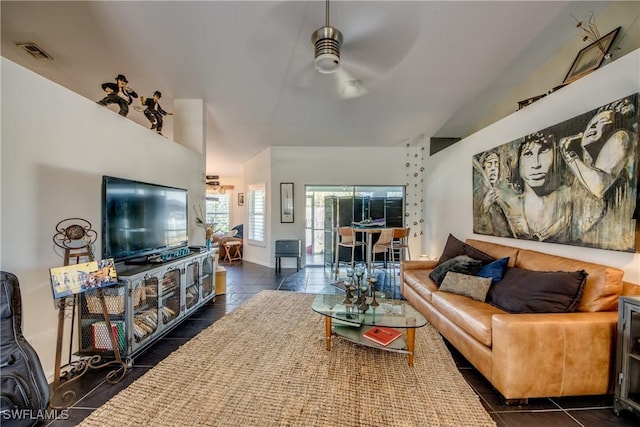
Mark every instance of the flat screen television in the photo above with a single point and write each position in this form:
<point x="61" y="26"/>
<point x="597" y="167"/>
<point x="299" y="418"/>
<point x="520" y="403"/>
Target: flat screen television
<point x="140" y="219"/>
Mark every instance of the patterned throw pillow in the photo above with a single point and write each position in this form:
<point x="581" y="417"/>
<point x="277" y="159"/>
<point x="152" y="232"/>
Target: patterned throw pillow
<point x="460" y="264"/>
<point x="473" y="287"/>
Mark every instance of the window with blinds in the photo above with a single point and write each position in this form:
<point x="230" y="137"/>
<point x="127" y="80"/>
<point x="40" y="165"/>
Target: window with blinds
<point x="257" y="208"/>
<point x="218" y="211"/>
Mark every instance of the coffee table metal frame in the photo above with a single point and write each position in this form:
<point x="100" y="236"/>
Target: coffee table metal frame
<point x="350" y="325"/>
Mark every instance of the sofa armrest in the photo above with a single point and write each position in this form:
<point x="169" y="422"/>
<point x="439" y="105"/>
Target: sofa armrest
<point x="418" y="264"/>
<point x="563" y="354"/>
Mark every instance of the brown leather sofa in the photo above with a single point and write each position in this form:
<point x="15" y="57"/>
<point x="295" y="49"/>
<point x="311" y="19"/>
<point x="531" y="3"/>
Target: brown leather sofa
<point x="529" y="355"/>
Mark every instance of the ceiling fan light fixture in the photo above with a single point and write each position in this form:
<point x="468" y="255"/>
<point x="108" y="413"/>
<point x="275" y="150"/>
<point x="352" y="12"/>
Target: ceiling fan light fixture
<point x="327" y="41"/>
<point x="327" y="63"/>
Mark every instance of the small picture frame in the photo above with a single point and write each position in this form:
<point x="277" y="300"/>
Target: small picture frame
<point x="286" y="202"/>
<point x="240" y="199"/>
<point x="590" y="58"/>
<point x="78" y="278"/>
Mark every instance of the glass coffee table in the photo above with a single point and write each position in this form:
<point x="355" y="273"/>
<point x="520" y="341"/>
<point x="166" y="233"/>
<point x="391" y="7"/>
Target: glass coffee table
<point x="351" y="323"/>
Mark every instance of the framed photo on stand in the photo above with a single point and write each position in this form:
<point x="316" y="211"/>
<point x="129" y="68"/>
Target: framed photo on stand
<point x="286" y="202"/>
<point x="590" y="58"/>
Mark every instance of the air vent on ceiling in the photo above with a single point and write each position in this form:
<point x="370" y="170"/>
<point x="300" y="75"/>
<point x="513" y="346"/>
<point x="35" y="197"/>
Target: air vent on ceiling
<point x="34" y="50"/>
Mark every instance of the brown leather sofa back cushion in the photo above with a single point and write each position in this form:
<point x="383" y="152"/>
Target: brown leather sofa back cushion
<point x="603" y="287"/>
<point x="495" y="250"/>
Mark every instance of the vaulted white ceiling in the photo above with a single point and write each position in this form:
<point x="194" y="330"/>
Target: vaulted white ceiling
<point x="430" y="67"/>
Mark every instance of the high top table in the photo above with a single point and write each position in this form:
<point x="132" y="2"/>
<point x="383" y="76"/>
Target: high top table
<point x="369" y="230"/>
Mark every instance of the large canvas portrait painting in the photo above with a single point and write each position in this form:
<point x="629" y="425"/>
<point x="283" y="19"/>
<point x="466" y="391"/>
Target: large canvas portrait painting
<point x="573" y="183"/>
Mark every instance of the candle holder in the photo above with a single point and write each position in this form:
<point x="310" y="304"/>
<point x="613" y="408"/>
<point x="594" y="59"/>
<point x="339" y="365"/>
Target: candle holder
<point x="359" y="270"/>
<point x="363" y="306"/>
<point x="373" y="280"/>
<point x="348" y="297"/>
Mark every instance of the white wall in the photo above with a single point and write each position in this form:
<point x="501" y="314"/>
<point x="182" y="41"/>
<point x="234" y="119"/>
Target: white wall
<point x="314" y="166"/>
<point x="56" y="145"/>
<point x="618" y="14"/>
<point x="448" y="189"/>
<point x="258" y="171"/>
<point x="188" y="124"/>
<point x="238" y="213"/>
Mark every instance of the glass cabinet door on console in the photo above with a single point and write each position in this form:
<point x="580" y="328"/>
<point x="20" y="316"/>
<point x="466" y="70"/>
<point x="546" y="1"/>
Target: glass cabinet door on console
<point x="627" y="394"/>
<point x="145" y="309"/>
<point x="94" y="336"/>
<point x="207" y="279"/>
<point x="192" y="293"/>
<point x="170" y="295"/>
<point x="151" y="299"/>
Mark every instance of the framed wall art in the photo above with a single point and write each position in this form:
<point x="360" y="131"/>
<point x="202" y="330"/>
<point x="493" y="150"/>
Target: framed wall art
<point x="286" y="202"/>
<point x="590" y="58"/>
<point x="572" y="183"/>
<point x="240" y="199"/>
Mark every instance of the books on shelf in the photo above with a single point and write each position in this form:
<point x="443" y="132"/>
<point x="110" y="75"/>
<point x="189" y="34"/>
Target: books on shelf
<point x="382" y="335"/>
<point x="100" y="335"/>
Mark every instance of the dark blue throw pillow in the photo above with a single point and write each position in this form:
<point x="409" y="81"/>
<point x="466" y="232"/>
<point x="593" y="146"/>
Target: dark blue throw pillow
<point x="494" y="270"/>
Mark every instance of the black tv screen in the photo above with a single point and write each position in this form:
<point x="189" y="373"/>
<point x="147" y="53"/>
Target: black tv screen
<point x="140" y="219"/>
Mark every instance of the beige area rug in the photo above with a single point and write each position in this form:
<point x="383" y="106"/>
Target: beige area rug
<point x="265" y="364"/>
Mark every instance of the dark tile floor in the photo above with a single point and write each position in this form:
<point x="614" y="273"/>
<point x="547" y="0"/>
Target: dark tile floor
<point x="245" y="280"/>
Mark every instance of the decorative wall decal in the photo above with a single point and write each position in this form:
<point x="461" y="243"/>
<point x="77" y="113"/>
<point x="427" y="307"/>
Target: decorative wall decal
<point x="414" y="201"/>
<point x="153" y="111"/>
<point x="118" y="93"/>
<point x="573" y="183"/>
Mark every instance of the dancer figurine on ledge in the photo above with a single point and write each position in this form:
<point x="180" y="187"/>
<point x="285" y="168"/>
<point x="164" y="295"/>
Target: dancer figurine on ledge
<point x="118" y="93"/>
<point x="154" y="111"/>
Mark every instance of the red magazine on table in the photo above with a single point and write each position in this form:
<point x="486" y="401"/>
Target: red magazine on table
<point x="382" y="335"/>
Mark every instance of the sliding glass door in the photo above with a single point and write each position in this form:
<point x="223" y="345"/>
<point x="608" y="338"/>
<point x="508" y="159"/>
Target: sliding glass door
<point x="330" y="206"/>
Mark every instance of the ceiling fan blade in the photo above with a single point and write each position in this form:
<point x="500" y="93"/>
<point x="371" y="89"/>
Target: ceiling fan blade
<point x="348" y="87"/>
<point x="374" y="43"/>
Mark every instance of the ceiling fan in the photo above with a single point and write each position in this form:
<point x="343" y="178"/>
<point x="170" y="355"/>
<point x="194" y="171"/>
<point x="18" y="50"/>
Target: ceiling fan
<point x="374" y="37"/>
<point x="213" y="184"/>
<point x="327" y="41"/>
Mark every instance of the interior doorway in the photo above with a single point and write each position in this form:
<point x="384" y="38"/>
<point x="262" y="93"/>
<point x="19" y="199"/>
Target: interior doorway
<point x="329" y="206"/>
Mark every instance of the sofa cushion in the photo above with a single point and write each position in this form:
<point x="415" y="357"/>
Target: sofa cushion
<point x="495" y="250"/>
<point x="419" y="280"/>
<point x="528" y="291"/>
<point x="455" y="247"/>
<point x="474" y="317"/>
<point x="494" y="270"/>
<point x="460" y="264"/>
<point x="603" y="287"/>
<point x="473" y="287"/>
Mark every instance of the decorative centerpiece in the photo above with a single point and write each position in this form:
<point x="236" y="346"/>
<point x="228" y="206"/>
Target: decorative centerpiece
<point x="360" y="291"/>
<point x="201" y="221"/>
